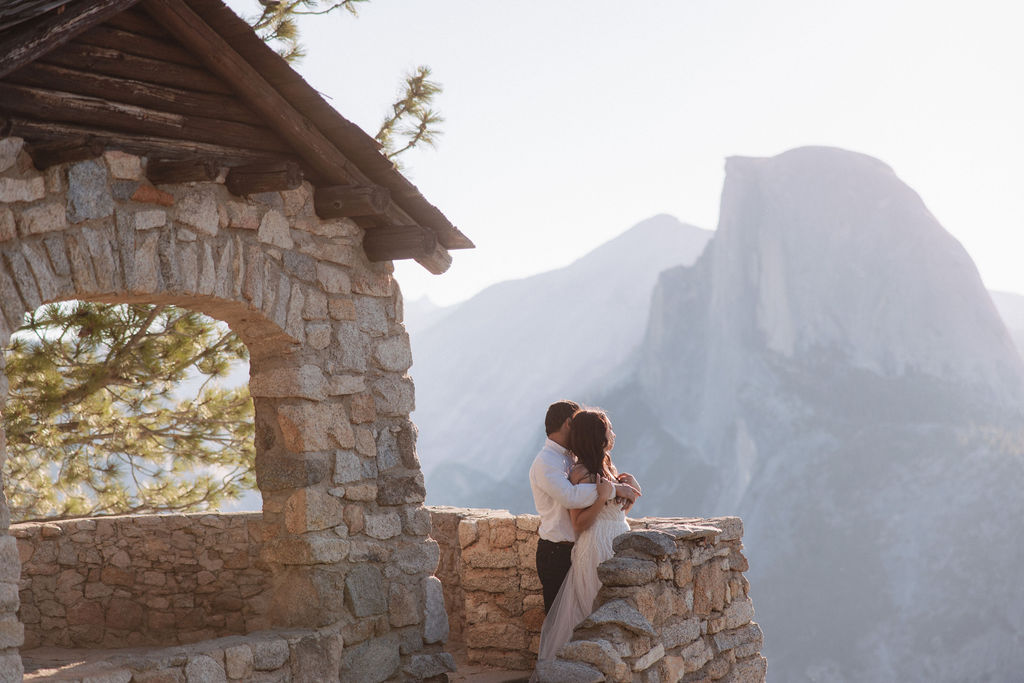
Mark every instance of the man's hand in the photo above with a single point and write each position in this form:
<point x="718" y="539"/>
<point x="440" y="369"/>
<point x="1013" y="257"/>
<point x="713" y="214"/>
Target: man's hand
<point x="626" y="495"/>
<point x="627" y="478"/>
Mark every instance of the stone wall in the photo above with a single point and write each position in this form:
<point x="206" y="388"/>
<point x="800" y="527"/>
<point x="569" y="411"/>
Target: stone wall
<point x="345" y="536"/>
<point x="491" y="590"/>
<point x="141" y="580"/>
<point x="674" y="606"/>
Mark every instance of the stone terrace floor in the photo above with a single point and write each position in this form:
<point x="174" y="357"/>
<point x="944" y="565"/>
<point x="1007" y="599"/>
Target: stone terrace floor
<point x="57" y="664"/>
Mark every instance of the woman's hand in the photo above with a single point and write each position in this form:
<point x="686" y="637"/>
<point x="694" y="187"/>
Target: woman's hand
<point x="605" y="488"/>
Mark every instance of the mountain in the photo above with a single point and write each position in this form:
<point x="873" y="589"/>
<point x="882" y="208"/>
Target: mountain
<point x="486" y="371"/>
<point x="1011" y="309"/>
<point x="833" y="370"/>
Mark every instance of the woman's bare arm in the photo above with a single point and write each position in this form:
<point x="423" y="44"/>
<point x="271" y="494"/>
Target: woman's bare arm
<point x="583" y="518"/>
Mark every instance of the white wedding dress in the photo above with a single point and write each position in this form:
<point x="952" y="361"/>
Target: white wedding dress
<point x="575" y="600"/>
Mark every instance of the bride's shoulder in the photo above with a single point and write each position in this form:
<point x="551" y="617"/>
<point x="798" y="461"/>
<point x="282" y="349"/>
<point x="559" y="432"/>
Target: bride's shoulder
<point x="578" y="473"/>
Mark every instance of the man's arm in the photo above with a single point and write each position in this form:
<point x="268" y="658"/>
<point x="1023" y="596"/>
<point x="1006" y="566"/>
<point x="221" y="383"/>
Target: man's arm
<point x="551" y="479"/>
<point x="582" y="519"/>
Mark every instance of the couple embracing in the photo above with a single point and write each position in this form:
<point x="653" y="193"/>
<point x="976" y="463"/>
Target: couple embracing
<point x="582" y="502"/>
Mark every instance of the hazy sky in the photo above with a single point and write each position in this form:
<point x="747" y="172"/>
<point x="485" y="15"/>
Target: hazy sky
<point x="568" y="122"/>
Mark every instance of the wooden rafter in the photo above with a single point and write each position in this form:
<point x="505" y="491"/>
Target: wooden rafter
<point x="399" y="242"/>
<point x="255" y="178"/>
<point x="144" y="145"/>
<point x="350" y="201"/>
<point x="47" y="154"/>
<point x="36" y="37"/>
<point x="96" y="111"/>
<point x="161" y="171"/>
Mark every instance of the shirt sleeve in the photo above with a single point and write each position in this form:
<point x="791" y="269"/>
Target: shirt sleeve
<point x="552" y="480"/>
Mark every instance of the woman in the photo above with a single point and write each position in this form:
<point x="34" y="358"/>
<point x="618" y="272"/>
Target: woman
<point x="591" y="439"/>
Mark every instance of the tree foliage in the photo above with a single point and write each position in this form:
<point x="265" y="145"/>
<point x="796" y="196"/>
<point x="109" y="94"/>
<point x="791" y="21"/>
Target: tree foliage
<point x="412" y="121"/>
<point x="93" y="421"/>
<point x="277" y="22"/>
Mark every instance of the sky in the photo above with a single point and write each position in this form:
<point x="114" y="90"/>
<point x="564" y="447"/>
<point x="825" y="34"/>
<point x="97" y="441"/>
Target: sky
<point x="567" y="122"/>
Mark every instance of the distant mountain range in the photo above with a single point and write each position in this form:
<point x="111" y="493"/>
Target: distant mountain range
<point x="830" y="368"/>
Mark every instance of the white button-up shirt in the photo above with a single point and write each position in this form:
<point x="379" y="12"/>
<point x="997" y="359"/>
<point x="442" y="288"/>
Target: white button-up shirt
<point x="553" y="493"/>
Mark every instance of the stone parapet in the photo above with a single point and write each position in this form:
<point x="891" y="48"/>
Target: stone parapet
<point x="674" y="605"/>
<point x="141" y="580"/>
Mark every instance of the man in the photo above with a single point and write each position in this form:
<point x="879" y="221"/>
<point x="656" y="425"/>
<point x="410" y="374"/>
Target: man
<point x="554" y="496"/>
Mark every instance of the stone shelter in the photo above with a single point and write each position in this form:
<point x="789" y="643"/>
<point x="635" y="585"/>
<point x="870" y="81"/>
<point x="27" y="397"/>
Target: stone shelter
<point x="157" y="151"/>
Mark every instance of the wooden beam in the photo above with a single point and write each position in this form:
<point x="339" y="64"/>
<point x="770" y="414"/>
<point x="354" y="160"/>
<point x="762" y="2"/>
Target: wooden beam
<point x="142" y="145"/>
<point x="350" y="201"/>
<point x="394" y="242"/>
<point x="136" y="44"/>
<point x="255" y="178"/>
<point x="38" y="37"/>
<point x="138" y="93"/>
<point x="437" y="261"/>
<point x="81" y="109"/>
<point x="78" y="148"/>
<point x="166" y="171"/>
<point x="123" y="65"/>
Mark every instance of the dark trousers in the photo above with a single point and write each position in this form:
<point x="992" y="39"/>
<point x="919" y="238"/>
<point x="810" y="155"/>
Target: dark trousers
<point x="553" y="562"/>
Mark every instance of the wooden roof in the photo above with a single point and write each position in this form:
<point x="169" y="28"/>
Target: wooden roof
<point x="188" y="79"/>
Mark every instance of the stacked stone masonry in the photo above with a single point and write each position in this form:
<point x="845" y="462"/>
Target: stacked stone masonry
<point x="141" y="580"/>
<point x="344" y="534"/>
<point x="674" y="605"/>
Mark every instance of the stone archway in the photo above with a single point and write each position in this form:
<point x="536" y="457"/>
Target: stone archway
<point x="345" y="535"/>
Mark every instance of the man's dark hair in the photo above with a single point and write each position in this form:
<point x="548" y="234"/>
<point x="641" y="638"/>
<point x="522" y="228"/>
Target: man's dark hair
<point x="558" y="413"/>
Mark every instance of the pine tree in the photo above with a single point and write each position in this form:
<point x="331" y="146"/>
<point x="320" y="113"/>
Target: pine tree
<point x="93" y="423"/>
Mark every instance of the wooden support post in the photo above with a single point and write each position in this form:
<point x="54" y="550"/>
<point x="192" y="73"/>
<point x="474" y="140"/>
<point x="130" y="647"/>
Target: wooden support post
<point x="437" y="261"/>
<point x="163" y="171"/>
<point x="254" y="178"/>
<point x="350" y="201"/>
<point x="79" y="148"/>
<point x="393" y="242"/>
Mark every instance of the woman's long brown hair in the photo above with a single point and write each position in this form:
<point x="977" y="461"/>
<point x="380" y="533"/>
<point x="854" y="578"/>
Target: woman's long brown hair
<point x="588" y="439"/>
